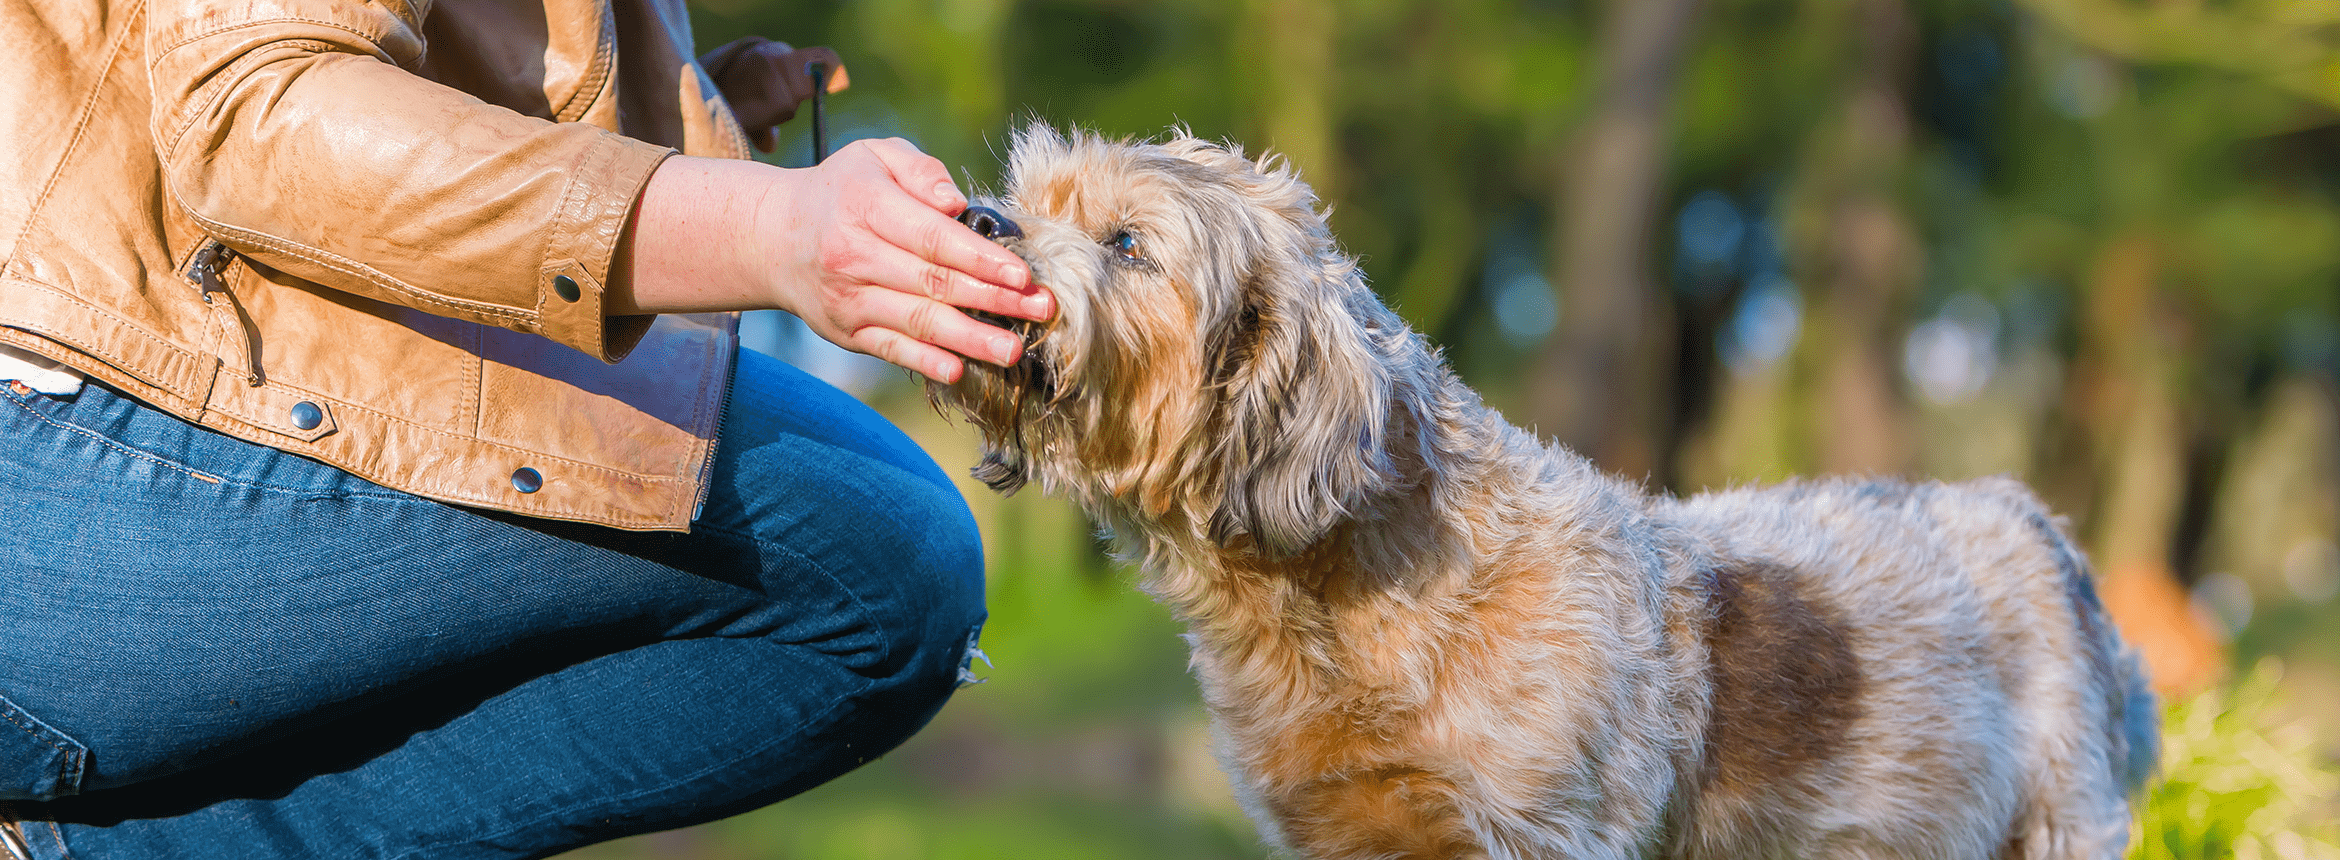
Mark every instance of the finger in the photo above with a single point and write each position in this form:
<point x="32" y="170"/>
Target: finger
<point x="944" y="241"/>
<point x="921" y="174"/>
<point x="907" y="353"/>
<point x="934" y="323"/>
<point x="908" y="273"/>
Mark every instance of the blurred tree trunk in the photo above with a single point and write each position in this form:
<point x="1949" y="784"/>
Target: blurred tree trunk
<point x="1286" y="57"/>
<point x="1863" y="256"/>
<point x="1600" y="380"/>
<point x="2124" y="399"/>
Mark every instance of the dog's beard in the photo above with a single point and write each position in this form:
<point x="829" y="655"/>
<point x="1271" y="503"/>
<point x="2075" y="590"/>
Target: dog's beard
<point x="1008" y="404"/>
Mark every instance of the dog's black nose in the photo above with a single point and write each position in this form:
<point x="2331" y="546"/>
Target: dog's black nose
<point x="989" y="224"/>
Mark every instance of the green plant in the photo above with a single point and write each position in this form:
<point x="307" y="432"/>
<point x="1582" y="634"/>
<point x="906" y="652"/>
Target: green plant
<point x="2239" y="780"/>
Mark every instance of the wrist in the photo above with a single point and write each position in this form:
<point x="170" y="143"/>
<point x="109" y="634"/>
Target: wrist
<point x="694" y="242"/>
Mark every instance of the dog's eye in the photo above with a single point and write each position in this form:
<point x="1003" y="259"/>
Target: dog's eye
<point x="1126" y="245"/>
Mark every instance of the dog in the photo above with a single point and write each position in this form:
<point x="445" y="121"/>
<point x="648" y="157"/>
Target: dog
<point x="1423" y="633"/>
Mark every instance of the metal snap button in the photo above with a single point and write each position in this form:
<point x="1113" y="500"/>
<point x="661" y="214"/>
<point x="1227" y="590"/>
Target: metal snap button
<point x="307" y="416"/>
<point x="566" y="288"/>
<point x="527" y="480"/>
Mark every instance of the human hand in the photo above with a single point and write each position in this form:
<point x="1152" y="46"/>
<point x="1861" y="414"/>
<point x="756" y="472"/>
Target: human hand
<point x="765" y="81"/>
<point x="865" y="250"/>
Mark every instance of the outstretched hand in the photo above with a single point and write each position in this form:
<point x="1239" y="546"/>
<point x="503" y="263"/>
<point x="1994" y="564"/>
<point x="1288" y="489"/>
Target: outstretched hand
<point x="872" y="259"/>
<point x="863" y="248"/>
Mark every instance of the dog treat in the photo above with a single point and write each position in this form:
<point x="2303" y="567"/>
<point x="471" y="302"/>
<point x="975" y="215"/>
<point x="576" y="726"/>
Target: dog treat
<point x="1424" y="633"/>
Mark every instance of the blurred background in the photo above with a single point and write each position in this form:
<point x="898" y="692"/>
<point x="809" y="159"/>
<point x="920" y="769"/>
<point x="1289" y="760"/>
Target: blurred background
<point x="2094" y="244"/>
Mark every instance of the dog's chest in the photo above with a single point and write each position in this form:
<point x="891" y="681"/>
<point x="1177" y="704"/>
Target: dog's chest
<point x="1415" y="681"/>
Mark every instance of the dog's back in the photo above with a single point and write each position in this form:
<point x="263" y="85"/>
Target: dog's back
<point x="1906" y="670"/>
<point x="1423" y="633"/>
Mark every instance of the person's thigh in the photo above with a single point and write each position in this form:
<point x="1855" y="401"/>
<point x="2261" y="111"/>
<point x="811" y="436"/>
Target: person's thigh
<point x="368" y="669"/>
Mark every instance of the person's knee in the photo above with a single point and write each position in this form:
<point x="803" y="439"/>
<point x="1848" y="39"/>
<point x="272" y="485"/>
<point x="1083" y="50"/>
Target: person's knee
<point x="944" y="590"/>
<point x="823" y="481"/>
<point x="923" y="581"/>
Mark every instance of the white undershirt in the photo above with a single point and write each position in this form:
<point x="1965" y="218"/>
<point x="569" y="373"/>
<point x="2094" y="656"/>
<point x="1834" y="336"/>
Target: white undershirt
<point x="38" y="373"/>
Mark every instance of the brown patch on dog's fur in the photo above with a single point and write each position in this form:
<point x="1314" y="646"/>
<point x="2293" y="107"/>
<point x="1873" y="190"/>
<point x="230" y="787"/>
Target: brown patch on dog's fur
<point x="1389" y="811"/>
<point x="1054" y="194"/>
<point x="1787" y="687"/>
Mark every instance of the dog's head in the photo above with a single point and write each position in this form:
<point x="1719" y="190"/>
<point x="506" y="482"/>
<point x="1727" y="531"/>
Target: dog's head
<point x="1213" y="367"/>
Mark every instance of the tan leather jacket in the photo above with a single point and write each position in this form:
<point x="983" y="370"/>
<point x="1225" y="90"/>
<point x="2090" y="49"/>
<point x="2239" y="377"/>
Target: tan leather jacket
<point x="373" y="232"/>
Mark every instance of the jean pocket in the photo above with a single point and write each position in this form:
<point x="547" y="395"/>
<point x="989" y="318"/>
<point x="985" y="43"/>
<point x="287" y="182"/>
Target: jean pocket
<point x="36" y="762"/>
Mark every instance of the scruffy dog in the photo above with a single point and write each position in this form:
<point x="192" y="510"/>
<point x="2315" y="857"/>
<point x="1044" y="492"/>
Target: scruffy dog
<point x="1424" y="634"/>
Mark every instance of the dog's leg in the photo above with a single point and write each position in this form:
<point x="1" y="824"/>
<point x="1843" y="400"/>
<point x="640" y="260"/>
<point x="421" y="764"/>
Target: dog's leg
<point x="1389" y="813"/>
<point x="2102" y="734"/>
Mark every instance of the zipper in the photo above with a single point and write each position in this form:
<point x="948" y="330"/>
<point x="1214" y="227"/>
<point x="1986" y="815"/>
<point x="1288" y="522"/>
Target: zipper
<point x="204" y="270"/>
<point x="722" y="417"/>
<point x="715" y="444"/>
<point x="12" y="836"/>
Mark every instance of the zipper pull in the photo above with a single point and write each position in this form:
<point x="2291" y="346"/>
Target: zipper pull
<point x="203" y="271"/>
<point x="204" y="268"/>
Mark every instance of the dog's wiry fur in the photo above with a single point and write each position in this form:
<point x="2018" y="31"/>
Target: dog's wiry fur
<point x="1424" y="634"/>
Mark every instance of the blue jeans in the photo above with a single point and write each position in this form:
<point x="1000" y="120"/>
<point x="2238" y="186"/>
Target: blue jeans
<point x="287" y="661"/>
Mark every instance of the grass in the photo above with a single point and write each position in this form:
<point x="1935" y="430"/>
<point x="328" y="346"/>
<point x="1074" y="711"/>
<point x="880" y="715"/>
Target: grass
<point x="2240" y="779"/>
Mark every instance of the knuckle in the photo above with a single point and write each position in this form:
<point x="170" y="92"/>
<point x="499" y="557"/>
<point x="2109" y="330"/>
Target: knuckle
<point x="853" y="304"/>
<point x="924" y="324"/>
<point x="856" y="154"/>
<point x="937" y="283"/>
<point x="926" y="169"/>
<point x="889" y="349"/>
<point x="841" y="257"/>
<point x="934" y="237"/>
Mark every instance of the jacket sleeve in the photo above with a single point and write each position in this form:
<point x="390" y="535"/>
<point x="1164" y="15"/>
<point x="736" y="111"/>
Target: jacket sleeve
<point x="289" y="131"/>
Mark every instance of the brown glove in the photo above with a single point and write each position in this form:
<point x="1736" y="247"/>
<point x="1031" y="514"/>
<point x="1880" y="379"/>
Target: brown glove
<point x="765" y="80"/>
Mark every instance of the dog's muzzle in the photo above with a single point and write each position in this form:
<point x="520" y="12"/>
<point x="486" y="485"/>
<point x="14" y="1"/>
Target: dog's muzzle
<point x="990" y="224"/>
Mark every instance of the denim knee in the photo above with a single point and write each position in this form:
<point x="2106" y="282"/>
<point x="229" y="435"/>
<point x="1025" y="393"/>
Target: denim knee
<point x="926" y="611"/>
<point x="938" y="598"/>
<point x="896" y="536"/>
<point x="813" y="474"/>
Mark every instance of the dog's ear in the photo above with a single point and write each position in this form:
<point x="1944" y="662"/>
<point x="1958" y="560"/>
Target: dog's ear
<point x="1303" y="399"/>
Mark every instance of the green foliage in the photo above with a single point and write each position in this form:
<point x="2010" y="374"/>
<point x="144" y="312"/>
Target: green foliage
<point x="2240" y="780"/>
<point x="2030" y="136"/>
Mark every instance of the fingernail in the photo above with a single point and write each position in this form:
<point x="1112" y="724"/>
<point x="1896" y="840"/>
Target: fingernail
<point x="946" y="371"/>
<point x="1036" y="305"/>
<point x="1014" y="275"/>
<point x="1003" y="350"/>
<point x="947" y="194"/>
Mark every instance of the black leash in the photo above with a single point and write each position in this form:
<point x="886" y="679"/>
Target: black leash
<point x="819" y="72"/>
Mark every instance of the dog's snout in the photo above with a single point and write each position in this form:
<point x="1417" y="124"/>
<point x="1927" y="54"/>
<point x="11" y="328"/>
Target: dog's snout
<point x="988" y="223"/>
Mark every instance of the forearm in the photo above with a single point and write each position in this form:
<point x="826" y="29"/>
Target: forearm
<point x="682" y="251"/>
